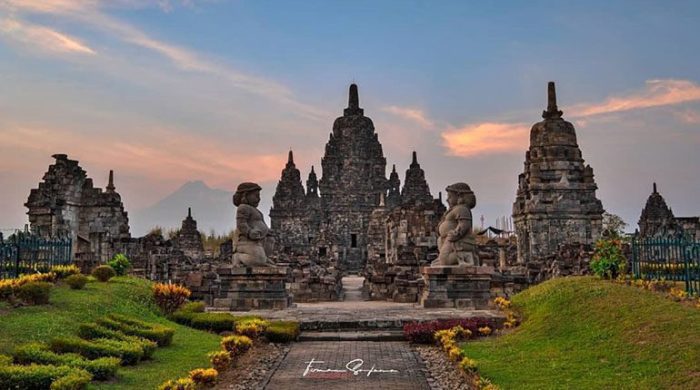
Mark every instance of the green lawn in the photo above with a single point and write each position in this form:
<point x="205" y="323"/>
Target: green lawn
<point x="122" y="295"/>
<point x="585" y="333"/>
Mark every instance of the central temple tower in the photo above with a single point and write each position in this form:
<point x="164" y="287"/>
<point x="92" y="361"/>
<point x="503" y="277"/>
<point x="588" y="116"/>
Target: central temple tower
<point x="352" y="181"/>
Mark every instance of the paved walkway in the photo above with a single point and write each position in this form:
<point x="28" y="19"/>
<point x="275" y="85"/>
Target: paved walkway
<point x="350" y="365"/>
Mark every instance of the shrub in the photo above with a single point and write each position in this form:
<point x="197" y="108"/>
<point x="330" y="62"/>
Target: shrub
<point x="485" y="330"/>
<point x="35" y="293"/>
<point x="282" y="331"/>
<point x="101" y="369"/>
<point x="422" y="332"/>
<point x="74" y="381"/>
<point x="49" y="277"/>
<point x="468" y="365"/>
<point x="215" y="322"/>
<point x="94" y="331"/>
<point x="36" y="377"/>
<point x="77" y="281"/>
<point x="180" y="384"/>
<point x="93" y="349"/>
<point x="608" y="260"/>
<point x="502" y="303"/>
<point x="120" y="263"/>
<point x="194" y="307"/>
<point x="104" y="273"/>
<point x="170" y="297"/>
<point x="7" y="360"/>
<point x="252" y="327"/>
<point x="7" y="288"/>
<point x="64" y="271"/>
<point x="204" y="376"/>
<point x="236" y="345"/>
<point x="220" y="360"/>
<point x="162" y="335"/>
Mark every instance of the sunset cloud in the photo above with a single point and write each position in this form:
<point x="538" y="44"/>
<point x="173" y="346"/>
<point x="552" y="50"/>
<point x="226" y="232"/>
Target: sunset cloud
<point x="91" y="13"/>
<point x="656" y="93"/>
<point x="43" y="38"/>
<point x="160" y="153"/>
<point x="485" y="138"/>
<point x="412" y="114"/>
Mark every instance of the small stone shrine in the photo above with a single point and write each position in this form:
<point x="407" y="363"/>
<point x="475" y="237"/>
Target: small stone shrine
<point x="188" y="239"/>
<point x="456" y="278"/>
<point x="657" y="220"/>
<point x="556" y="202"/>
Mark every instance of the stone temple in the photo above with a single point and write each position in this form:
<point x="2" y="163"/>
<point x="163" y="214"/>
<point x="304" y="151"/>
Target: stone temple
<point x="331" y="218"/>
<point x="66" y="204"/>
<point x="657" y="220"/>
<point x="556" y="201"/>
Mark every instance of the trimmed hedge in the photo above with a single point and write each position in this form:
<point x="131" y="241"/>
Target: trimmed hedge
<point x="64" y="271"/>
<point x="5" y="360"/>
<point x="104" y="273"/>
<point x="282" y="331"/>
<point x="77" y="281"/>
<point x="194" y="307"/>
<point x="158" y="333"/>
<point x="101" y="369"/>
<point x="72" y="381"/>
<point x="39" y="377"/>
<point x="128" y="353"/>
<point x="35" y="293"/>
<point x="93" y="331"/>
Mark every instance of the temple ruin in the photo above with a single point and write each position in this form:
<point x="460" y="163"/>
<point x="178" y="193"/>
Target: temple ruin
<point x="556" y="202"/>
<point x="657" y="220"/>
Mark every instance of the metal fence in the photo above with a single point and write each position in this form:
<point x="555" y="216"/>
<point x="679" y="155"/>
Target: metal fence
<point x="668" y="259"/>
<point x="23" y="253"/>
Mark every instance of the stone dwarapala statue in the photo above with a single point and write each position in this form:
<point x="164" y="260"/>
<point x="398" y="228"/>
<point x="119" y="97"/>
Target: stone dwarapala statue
<point x="456" y="242"/>
<point x="251" y="230"/>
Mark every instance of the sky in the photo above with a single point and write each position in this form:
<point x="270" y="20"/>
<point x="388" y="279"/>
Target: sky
<point x="167" y="92"/>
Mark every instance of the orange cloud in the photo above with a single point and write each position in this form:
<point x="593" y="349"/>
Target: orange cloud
<point x="483" y="138"/>
<point x="42" y="37"/>
<point x="160" y="153"/>
<point x="656" y="93"/>
<point x="413" y="114"/>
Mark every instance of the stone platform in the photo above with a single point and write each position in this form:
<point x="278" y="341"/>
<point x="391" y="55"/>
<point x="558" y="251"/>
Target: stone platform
<point x="367" y="315"/>
<point x="465" y="287"/>
<point x="252" y="288"/>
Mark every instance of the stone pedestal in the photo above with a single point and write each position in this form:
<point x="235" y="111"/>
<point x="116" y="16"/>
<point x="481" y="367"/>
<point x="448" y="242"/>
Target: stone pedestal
<point x="465" y="287"/>
<point x="252" y="288"/>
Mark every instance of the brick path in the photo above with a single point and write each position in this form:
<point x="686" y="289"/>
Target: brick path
<point x="336" y="355"/>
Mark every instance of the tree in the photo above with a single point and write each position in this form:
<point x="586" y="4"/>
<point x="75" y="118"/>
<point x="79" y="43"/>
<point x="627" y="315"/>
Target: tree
<point x="613" y="225"/>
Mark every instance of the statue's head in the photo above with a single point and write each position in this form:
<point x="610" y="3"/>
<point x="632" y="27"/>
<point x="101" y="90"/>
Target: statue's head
<point x="460" y="193"/>
<point x="247" y="193"/>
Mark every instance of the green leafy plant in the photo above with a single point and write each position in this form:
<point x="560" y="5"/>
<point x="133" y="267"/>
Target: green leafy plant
<point x="39" y="377"/>
<point x="77" y="281"/>
<point x="120" y="263"/>
<point x="37" y="353"/>
<point x="608" y="261"/>
<point x="282" y="331"/>
<point x="104" y="273"/>
<point x="35" y="293"/>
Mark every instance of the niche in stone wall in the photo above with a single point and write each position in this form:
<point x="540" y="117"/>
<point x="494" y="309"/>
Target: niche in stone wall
<point x="353" y="240"/>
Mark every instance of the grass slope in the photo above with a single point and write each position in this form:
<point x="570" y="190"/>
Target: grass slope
<point x="584" y="333"/>
<point x="122" y="295"/>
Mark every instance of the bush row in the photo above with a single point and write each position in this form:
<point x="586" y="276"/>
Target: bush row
<point x="42" y="377"/>
<point x="37" y="353"/>
<point x="162" y="335"/>
<point x="94" y="331"/>
<point x="422" y="332"/>
<point x="128" y="353"/>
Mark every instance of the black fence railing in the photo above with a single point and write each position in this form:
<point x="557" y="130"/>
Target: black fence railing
<point x="24" y="253"/>
<point x="667" y="259"/>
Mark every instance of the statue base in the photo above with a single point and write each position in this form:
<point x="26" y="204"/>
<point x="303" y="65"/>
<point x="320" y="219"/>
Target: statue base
<point x="252" y="288"/>
<point x="462" y="287"/>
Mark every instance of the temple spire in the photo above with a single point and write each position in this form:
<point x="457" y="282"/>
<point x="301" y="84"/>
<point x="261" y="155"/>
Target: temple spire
<point x="290" y="158"/>
<point x="353" y="102"/>
<point x="654" y="187"/>
<point x="415" y="158"/>
<point x="110" y="184"/>
<point x="393" y="168"/>
<point x="552" y="111"/>
<point x="189" y="212"/>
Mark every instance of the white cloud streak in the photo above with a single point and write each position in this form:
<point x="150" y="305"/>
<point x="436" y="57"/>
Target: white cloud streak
<point x="43" y="38"/>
